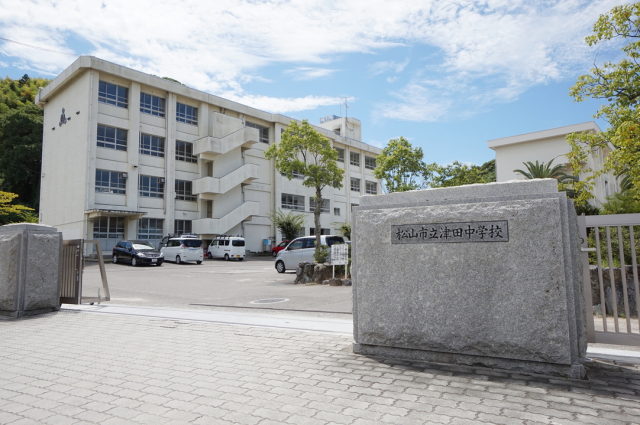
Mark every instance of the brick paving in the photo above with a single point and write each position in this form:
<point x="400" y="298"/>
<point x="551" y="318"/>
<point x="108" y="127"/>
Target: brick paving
<point x="87" y="368"/>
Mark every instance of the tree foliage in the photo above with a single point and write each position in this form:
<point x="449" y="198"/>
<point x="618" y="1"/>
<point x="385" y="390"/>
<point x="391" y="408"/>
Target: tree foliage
<point x="458" y="174"/>
<point x="304" y="151"/>
<point x="401" y="166"/>
<point x="21" y="152"/>
<point x="14" y="213"/>
<point x="289" y="224"/>
<point x="540" y="170"/>
<point x="618" y="84"/>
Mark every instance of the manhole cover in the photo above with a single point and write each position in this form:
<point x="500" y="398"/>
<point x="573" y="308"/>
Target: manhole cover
<point x="269" y="301"/>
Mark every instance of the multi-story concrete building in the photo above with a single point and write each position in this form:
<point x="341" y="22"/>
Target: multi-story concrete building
<point x="551" y="145"/>
<point x="129" y="155"/>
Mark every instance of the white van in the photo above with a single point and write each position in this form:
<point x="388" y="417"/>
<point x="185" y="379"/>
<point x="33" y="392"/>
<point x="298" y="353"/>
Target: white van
<point x="302" y="250"/>
<point x="183" y="249"/>
<point x="227" y="247"/>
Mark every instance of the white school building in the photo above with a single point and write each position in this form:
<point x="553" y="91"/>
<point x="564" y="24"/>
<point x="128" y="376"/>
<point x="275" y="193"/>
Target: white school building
<point x="128" y="155"/>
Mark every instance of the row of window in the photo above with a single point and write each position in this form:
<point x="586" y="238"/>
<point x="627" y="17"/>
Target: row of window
<point x="113" y="94"/>
<point x="116" y="138"/>
<point x="148" y="228"/>
<point x="148" y="186"/>
<point x="370" y="188"/>
<point x="296" y="202"/>
<point x="354" y="159"/>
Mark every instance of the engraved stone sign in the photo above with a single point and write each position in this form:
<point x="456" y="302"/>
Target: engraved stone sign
<point x="474" y="231"/>
<point x="339" y="254"/>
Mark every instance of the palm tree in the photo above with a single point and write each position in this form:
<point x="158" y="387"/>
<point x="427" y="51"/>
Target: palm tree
<point x="540" y="170"/>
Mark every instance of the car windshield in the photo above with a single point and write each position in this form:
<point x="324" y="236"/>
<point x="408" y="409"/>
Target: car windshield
<point x="283" y="244"/>
<point x="334" y="239"/>
<point x="143" y="245"/>
<point x="237" y="242"/>
<point x="192" y="243"/>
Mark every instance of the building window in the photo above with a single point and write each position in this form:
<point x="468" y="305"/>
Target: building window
<point x="606" y="188"/>
<point x="354" y="158"/>
<point x="340" y="154"/>
<point x="369" y="162"/>
<point x="112" y="138"/>
<point x="110" y="182"/>
<point x="187" y="114"/>
<point x="353" y="206"/>
<point x="325" y="205"/>
<point x="296" y="175"/>
<point x="263" y="131"/>
<point x="336" y="211"/>
<point x="184" y="152"/>
<point x="108" y="228"/>
<point x="112" y="94"/>
<point x="152" y="105"/>
<point x="151" y="145"/>
<point x="292" y="202"/>
<point x="182" y="226"/>
<point x="301" y="233"/>
<point x="312" y="231"/>
<point x="151" y="187"/>
<point x="371" y="188"/>
<point x="150" y="228"/>
<point x="183" y="191"/>
<point x="355" y="184"/>
<point x="337" y="131"/>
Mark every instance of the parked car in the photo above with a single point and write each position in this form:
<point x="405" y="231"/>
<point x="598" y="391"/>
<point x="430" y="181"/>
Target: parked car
<point x="276" y="249"/>
<point x="136" y="253"/>
<point x="227" y="247"/>
<point x="302" y="249"/>
<point x="183" y="249"/>
<point x="165" y="240"/>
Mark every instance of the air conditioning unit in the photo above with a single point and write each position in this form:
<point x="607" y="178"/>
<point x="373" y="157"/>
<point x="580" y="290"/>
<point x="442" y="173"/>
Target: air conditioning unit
<point x="124" y="175"/>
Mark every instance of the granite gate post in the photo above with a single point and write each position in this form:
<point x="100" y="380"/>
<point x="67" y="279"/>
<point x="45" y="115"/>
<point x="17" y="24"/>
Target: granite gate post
<point x="476" y="275"/>
<point x="30" y="269"/>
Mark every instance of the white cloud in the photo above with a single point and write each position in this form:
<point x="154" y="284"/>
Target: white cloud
<point x="217" y="46"/>
<point x="304" y="73"/>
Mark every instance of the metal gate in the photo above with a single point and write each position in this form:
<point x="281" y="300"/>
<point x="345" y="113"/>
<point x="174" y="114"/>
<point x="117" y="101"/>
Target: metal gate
<point x="72" y="269"/>
<point x="611" y="292"/>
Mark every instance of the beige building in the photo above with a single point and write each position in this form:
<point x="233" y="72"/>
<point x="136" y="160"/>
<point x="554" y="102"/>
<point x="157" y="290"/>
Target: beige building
<point x="127" y="155"/>
<point x="544" y="146"/>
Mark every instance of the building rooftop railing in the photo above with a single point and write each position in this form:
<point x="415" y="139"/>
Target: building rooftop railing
<point x="328" y="118"/>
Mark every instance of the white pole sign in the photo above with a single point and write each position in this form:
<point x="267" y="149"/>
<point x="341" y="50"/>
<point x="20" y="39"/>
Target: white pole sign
<point x="339" y="254"/>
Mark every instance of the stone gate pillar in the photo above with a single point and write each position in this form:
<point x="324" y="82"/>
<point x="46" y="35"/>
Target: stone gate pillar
<point x="477" y="275"/>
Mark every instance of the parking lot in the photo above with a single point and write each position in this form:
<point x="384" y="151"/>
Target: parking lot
<point x="214" y="285"/>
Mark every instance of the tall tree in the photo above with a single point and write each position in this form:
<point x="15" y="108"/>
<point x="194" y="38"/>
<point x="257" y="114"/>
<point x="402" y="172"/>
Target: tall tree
<point x="457" y="174"/>
<point x="618" y="84"/>
<point x="289" y="224"/>
<point x="304" y="151"/>
<point x="13" y="213"/>
<point x="401" y="166"/>
<point x="21" y="152"/>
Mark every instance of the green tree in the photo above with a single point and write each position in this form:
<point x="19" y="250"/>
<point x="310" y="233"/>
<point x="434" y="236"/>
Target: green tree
<point x="304" y="151"/>
<point x="14" y="213"/>
<point x="618" y="84"/>
<point x="289" y="224"/>
<point x="344" y="229"/>
<point x="457" y="174"/>
<point x="21" y="152"/>
<point x="15" y="94"/>
<point x="401" y="166"/>
<point x="540" y="170"/>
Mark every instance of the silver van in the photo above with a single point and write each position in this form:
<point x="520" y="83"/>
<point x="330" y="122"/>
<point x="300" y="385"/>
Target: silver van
<point x="183" y="249"/>
<point x="227" y="247"/>
<point x="302" y="250"/>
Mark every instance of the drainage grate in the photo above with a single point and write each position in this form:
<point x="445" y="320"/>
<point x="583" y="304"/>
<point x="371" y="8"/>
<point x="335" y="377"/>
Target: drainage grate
<point x="269" y="301"/>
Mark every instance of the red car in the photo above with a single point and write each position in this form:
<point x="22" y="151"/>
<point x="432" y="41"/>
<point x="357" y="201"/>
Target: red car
<point x="282" y="245"/>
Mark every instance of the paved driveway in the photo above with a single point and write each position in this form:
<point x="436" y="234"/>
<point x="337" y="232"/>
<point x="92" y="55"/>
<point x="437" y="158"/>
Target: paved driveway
<point x="215" y="284"/>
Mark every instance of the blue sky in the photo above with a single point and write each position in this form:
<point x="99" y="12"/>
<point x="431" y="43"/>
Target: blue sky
<point x="446" y="75"/>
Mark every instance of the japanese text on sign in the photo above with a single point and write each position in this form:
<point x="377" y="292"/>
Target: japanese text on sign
<point x="339" y="254"/>
<point x="475" y="231"/>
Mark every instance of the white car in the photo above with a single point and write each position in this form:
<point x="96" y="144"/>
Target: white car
<point x="302" y="250"/>
<point x="227" y="247"/>
<point x="183" y="249"/>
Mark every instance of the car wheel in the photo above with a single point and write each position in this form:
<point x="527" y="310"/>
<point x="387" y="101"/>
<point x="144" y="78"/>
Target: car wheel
<point x="134" y="261"/>
<point x="226" y="257"/>
<point x="209" y="256"/>
<point x="198" y="262"/>
<point x="159" y="264"/>
<point x="240" y="259"/>
<point x="178" y="260"/>
<point x="115" y="259"/>
<point x="280" y="267"/>
<point x="274" y="254"/>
